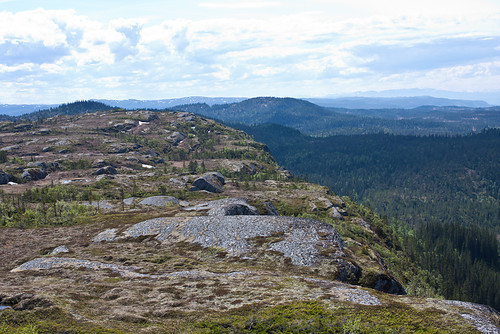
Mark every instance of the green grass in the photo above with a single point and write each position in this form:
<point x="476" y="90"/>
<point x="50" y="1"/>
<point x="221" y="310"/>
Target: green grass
<point x="315" y="317"/>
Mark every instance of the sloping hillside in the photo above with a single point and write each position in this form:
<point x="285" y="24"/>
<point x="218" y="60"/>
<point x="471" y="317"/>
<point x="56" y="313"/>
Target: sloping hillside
<point x="138" y="221"/>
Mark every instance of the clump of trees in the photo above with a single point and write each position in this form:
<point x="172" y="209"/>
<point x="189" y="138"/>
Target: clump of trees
<point x="47" y="206"/>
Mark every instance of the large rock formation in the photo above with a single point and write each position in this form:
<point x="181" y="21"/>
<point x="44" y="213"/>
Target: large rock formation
<point x="33" y="174"/>
<point x="226" y="207"/>
<point x="47" y="166"/>
<point x="108" y="170"/>
<point x="211" y="182"/>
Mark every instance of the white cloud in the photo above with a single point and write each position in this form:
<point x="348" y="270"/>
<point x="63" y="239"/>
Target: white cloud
<point x="313" y="53"/>
<point x="240" y="5"/>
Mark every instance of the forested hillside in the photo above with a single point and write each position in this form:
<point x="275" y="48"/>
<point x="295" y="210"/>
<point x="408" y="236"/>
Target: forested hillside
<point x="428" y="186"/>
<point x="75" y="108"/>
<point x="314" y="120"/>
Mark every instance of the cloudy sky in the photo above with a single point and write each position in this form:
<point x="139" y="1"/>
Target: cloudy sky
<point x="61" y="51"/>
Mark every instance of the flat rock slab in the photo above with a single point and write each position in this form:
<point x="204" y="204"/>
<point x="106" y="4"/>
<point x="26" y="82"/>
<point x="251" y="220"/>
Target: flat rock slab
<point x="160" y="201"/>
<point x="62" y="262"/>
<point x="301" y="240"/>
<point x="478" y="319"/>
<point x="50" y="263"/>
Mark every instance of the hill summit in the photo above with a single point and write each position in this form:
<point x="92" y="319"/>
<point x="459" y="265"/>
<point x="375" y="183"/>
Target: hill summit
<point x="120" y="221"/>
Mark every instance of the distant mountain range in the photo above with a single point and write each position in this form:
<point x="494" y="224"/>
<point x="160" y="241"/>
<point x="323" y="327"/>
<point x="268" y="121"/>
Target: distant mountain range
<point x="394" y="102"/>
<point x="309" y="118"/>
<point x="21" y="109"/>
<point x="169" y="103"/>
<point x="340" y="102"/>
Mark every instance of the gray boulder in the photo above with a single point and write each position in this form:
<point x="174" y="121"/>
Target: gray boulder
<point x="177" y="137"/>
<point x="119" y="148"/>
<point x="59" y="250"/>
<point x="100" y="164"/>
<point x="211" y="182"/>
<point x="160" y="201"/>
<point x="246" y="168"/>
<point x="108" y="170"/>
<point x="10" y="148"/>
<point x="47" y="166"/>
<point x="102" y="205"/>
<point x="4" y="177"/>
<point x="104" y="177"/>
<point x="34" y="174"/>
<point x="124" y="126"/>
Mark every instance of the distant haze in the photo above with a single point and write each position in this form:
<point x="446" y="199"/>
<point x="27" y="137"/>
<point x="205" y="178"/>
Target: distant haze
<point x="394" y="102"/>
<point x="341" y="102"/>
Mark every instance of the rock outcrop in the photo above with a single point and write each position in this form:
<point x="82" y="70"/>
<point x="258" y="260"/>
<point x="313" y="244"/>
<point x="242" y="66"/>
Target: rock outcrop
<point x="211" y="182"/>
<point x="59" y="250"/>
<point x="177" y="137"/>
<point x="160" y="201"/>
<point x="226" y="207"/>
<point x="388" y="284"/>
<point x="108" y="170"/>
<point x="47" y="166"/>
<point x="300" y="240"/>
<point x="33" y="174"/>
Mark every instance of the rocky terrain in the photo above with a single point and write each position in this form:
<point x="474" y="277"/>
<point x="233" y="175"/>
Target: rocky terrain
<point x="166" y="222"/>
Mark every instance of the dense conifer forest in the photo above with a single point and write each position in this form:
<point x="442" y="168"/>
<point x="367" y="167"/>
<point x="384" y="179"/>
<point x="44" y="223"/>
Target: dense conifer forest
<point x="440" y="192"/>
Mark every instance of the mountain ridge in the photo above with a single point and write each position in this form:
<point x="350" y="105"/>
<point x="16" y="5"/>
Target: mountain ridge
<point x="410" y="102"/>
<point x="354" y="102"/>
<point x="312" y="119"/>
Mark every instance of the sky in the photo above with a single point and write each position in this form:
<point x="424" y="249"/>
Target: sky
<point x="63" y="51"/>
